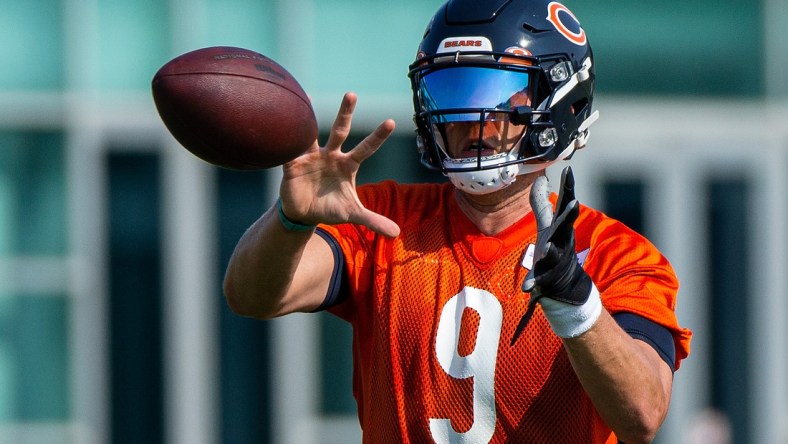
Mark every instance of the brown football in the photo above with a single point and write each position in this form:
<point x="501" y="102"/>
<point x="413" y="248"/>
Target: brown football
<point x="234" y="108"/>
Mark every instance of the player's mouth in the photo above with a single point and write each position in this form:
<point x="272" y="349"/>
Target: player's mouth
<point x="473" y="150"/>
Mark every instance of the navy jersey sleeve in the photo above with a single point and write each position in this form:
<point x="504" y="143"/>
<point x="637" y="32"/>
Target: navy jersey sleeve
<point x="336" y="292"/>
<point x="651" y="333"/>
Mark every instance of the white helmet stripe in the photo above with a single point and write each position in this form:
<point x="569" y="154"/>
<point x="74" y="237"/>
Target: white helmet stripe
<point x="570" y="84"/>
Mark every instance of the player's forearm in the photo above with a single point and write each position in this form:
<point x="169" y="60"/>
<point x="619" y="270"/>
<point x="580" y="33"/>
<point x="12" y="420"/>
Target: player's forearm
<point x="625" y="379"/>
<point x="262" y="278"/>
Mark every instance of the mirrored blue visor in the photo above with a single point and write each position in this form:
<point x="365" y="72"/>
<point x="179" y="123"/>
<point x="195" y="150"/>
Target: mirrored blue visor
<point x="462" y="87"/>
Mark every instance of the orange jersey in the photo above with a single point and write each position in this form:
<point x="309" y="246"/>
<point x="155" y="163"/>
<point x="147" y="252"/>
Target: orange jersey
<point x="433" y="312"/>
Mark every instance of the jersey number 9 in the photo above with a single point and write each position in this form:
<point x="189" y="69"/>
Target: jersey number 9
<point x="479" y="364"/>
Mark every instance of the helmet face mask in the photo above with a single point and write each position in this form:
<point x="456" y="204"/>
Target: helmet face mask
<point x="506" y="71"/>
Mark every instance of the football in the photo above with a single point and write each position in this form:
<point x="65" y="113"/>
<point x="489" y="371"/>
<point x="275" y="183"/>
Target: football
<point x="234" y="108"/>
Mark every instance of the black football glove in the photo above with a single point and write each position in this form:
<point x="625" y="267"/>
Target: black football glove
<point x="556" y="273"/>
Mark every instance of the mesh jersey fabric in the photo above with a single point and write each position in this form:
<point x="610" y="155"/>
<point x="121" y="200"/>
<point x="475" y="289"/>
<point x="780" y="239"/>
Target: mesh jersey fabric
<point x="433" y="312"/>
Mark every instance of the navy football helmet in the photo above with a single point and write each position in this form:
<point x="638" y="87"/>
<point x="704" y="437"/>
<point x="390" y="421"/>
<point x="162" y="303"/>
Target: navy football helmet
<point x="524" y="66"/>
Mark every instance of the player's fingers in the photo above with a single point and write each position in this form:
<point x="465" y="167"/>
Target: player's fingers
<point x="567" y="190"/>
<point x="341" y="127"/>
<point x="372" y="142"/>
<point x="529" y="282"/>
<point x="552" y="255"/>
<point x="564" y="223"/>
<point x="540" y="203"/>
<point x="377" y="223"/>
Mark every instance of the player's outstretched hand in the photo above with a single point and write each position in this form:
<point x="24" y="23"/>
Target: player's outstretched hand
<point x="568" y="297"/>
<point x="320" y="185"/>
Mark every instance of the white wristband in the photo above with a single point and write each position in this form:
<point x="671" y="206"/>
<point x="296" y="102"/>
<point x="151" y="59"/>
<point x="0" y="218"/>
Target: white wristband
<point x="570" y="321"/>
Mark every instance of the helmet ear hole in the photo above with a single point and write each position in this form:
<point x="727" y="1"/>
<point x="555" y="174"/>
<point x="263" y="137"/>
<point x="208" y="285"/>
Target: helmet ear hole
<point x="578" y="107"/>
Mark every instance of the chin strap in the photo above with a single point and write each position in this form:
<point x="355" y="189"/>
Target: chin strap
<point x="582" y="136"/>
